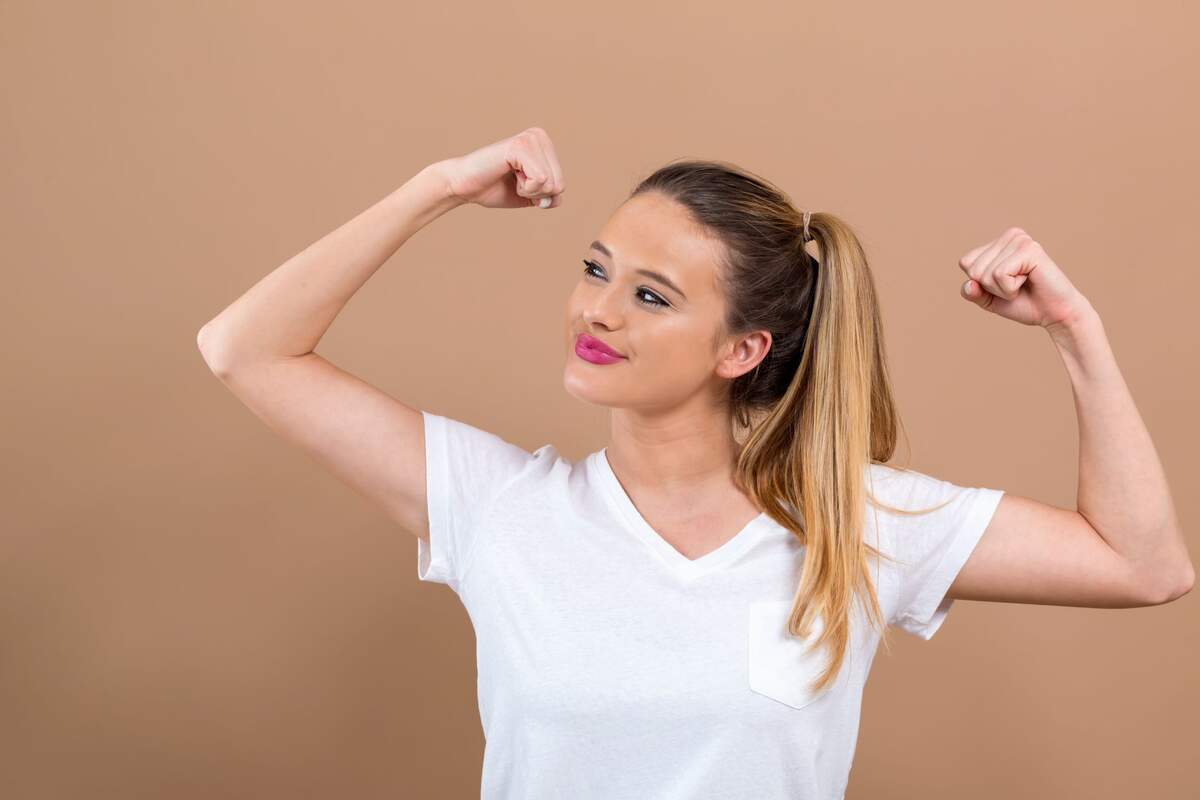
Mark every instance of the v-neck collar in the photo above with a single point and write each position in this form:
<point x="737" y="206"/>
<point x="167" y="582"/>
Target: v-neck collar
<point x="677" y="562"/>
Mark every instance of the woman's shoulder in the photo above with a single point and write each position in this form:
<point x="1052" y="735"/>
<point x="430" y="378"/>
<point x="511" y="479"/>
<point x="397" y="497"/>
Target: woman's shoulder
<point x="905" y="488"/>
<point x="893" y="477"/>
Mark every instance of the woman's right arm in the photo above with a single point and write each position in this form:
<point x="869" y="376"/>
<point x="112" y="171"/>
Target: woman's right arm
<point x="261" y="346"/>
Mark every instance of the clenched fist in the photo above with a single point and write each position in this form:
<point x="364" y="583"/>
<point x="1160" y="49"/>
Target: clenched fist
<point x="516" y="172"/>
<point x="1014" y="277"/>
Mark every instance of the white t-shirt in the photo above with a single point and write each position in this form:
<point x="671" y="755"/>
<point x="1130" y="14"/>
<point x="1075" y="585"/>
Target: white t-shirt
<point x="612" y="666"/>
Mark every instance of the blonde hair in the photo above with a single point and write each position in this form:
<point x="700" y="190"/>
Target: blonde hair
<point x="818" y="410"/>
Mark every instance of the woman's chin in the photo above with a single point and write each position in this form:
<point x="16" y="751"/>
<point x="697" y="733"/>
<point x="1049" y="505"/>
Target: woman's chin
<point x="587" y="388"/>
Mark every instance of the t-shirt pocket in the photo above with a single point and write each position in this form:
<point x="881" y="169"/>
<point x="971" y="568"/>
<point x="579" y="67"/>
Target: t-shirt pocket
<point x="782" y="666"/>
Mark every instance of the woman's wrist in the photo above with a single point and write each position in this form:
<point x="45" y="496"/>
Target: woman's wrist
<point x="439" y="183"/>
<point x="1083" y="321"/>
<point x="420" y="200"/>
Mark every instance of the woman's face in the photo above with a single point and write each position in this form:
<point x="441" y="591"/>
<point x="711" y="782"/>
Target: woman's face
<point x="666" y="326"/>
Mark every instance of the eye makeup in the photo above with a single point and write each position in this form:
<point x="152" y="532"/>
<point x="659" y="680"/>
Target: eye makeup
<point x="657" y="301"/>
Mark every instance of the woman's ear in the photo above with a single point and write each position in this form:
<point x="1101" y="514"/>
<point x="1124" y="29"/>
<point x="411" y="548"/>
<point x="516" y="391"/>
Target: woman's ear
<point x="746" y="354"/>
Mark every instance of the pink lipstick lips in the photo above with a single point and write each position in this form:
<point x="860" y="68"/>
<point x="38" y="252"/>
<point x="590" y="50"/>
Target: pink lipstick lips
<point x="589" y="348"/>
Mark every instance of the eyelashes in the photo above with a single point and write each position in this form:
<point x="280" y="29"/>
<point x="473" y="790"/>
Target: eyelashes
<point x="657" y="301"/>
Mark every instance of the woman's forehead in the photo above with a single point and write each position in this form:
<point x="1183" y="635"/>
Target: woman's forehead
<point x="656" y="234"/>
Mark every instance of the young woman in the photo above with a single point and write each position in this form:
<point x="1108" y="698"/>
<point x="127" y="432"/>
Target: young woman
<point x="692" y="610"/>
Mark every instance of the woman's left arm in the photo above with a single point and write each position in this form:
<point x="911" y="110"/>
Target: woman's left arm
<point x="1123" y="546"/>
<point x="1123" y="490"/>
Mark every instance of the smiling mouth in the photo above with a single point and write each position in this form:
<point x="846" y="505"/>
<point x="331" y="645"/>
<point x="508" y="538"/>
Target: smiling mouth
<point x="594" y="345"/>
<point x="594" y="355"/>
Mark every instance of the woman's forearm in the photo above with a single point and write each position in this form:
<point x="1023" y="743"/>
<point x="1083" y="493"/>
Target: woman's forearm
<point x="288" y="311"/>
<point x="1123" y="489"/>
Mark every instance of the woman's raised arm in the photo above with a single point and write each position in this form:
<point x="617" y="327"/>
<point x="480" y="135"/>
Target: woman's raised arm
<point x="261" y="346"/>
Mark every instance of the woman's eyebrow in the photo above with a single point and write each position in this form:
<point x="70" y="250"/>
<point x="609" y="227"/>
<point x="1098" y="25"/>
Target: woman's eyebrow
<point x="658" y="276"/>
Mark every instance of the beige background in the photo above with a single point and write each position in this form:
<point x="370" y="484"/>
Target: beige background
<point x="191" y="609"/>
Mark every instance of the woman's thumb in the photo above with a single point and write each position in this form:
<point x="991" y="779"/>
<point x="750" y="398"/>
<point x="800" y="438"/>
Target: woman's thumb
<point x="974" y="292"/>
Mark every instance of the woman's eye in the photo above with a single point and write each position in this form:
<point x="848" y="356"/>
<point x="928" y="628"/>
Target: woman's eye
<point x="654" y="300"/>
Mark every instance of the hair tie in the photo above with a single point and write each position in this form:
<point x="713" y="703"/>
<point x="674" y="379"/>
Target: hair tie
<point x="807" y="236"/>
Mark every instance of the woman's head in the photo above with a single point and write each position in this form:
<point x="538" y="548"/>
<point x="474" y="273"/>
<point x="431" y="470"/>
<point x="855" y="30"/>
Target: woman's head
<point x="650" y="288"/>
<point x="786" y="342"/>
<point x="737" y="288"/>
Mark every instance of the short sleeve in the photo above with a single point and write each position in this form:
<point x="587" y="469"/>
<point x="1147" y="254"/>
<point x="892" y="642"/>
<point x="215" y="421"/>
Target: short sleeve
<point x="465" y="470"/>
<point x="931" y="548"/>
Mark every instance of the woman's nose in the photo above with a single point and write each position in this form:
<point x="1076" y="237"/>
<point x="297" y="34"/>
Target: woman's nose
<point x="603" y="309"/>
